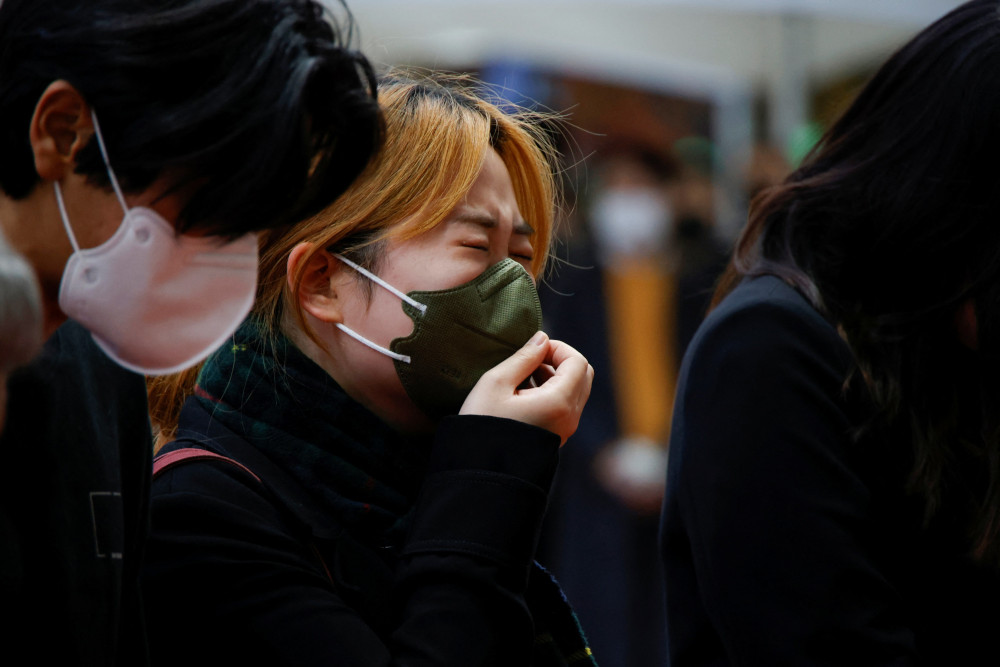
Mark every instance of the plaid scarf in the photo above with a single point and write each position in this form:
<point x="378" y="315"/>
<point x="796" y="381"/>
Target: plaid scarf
<point x="346" y="458"/>
<point x="354" y="465"/>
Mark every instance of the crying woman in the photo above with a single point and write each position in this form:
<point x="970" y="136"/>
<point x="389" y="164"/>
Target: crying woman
<point x="358" y="476"/>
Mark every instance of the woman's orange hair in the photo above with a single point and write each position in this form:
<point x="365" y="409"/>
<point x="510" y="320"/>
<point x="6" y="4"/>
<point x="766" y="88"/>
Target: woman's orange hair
<point x="438" y="130"/>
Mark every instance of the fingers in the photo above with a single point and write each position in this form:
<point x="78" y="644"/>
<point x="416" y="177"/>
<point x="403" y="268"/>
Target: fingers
<point x="518" y="367"/>
<point x="560" y="352"/>
<point x="571" y="373"/>
<point x="558" y="403"/>
<point x="562" y="379"/>
<point x="542" y="375"/>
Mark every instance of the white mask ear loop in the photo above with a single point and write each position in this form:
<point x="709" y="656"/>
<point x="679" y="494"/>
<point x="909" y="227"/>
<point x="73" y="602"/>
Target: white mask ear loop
<point x="65" y="216"/>
<point x="107" y="162"/>
<point x="422" y="307"/>
<point x="111" y="175"/>
<point x="405" y="358"/>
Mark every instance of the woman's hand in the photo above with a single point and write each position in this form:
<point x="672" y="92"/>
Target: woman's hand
<point x="553" y="399"/>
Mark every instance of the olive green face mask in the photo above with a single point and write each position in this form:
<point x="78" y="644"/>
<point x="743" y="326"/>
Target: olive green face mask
<point x="459" y="333"/>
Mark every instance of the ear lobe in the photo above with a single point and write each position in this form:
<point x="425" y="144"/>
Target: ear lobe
<point x="60" y="127"/>
<point x="315" y="271"/>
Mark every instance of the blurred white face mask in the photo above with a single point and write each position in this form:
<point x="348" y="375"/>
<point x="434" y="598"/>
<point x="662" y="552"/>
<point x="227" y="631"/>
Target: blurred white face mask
<point x="630" y="221"/>
<point x="157" y="302"/>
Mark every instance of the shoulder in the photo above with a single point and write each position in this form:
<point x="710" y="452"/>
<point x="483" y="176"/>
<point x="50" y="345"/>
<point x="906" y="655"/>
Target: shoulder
<point x="765" y="323"/>
<point x="72" y="380"/>
<point x="761" y="385"/>
<point x="218" y="472"/>
<point x="71" y="354"/>
<point x="205" y="457"/>
<point x="184" y="461"/>
<point x="73" y="409"/>
<point x="208" y="463"/>
<point x="765" y="306"/>
<point x="222" y="506"/>
<point x="191" y="478"/>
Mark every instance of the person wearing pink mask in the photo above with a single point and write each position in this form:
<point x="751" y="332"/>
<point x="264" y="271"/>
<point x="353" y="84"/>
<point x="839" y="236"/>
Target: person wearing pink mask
<point x="144" y="144"/>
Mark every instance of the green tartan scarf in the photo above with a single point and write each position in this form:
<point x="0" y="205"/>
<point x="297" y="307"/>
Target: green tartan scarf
<point x="354" y="465"/>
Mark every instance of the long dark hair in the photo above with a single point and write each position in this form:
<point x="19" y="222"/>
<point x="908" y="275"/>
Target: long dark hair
<point x="888" y="227"/>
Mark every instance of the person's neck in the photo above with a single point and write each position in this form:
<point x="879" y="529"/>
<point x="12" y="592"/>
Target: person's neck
<point x="33" y="228"/>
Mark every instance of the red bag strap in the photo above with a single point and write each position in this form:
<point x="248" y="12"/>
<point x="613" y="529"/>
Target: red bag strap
<point x="170" y="459"/>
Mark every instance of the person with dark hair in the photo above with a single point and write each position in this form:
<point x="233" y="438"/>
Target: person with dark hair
<point x="144" y="144"/>
<point x="833" y="492"/>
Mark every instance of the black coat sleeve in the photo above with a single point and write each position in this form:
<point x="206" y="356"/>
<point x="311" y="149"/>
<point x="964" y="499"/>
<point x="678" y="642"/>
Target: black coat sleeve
<point x="226" y="580"/>
<point x="767" y="533"/>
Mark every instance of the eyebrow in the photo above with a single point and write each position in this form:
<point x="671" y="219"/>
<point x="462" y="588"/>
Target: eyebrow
<point x="489" y="222"/>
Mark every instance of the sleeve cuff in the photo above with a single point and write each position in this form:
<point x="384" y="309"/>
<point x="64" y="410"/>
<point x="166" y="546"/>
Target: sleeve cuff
<point x="486" y="490"/>
<point x="477" y="442"/>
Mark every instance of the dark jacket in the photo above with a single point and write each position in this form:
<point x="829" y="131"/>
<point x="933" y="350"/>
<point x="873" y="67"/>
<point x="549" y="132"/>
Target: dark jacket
<point x="74" y="492"/>
<point x="788" y="541"/>
<point x="244" y="572"/>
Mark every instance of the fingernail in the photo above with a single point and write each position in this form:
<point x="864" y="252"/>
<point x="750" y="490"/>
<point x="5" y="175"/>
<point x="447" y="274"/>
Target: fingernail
<point x="539" y="338"/>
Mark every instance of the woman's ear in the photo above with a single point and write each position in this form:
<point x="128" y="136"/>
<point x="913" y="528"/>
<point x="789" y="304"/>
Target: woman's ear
<point x="60" y="127"/>
<point x="316" y="272"/>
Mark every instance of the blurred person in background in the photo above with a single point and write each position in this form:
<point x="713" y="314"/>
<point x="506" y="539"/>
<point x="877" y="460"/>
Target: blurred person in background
<point x="20" y="317"/>
<point x="633" y="221"/>
<point x="623" y="296"/>
<point x="833" y="494"/>
<point x="144" y="144"/>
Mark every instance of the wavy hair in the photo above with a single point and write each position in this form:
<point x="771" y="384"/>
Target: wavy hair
<point x="890" y="225"/>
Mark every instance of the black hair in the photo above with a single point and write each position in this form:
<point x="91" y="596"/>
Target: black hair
<point x="258" y="105"/>
<point x="889" y="226"/>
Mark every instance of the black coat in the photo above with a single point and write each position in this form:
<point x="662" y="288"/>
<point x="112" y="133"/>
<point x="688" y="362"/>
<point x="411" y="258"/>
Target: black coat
<point x="787" y="541"/>
<point x="241" y="571"/>
<point x="74" y="494"/>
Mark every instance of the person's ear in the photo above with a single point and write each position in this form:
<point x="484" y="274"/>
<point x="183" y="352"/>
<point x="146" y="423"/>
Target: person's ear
<point x="318" y="274"/>
<point x="60" y="127"/>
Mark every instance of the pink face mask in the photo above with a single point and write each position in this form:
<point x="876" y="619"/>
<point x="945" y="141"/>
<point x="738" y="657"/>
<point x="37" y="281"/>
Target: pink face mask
<point x="157" y="302"/>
